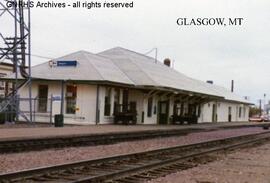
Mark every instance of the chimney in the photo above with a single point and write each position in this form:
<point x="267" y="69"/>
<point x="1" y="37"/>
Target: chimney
<point x="167" y="62"/>
<point x="210" y="82"/>
<point x="232" y="86"/>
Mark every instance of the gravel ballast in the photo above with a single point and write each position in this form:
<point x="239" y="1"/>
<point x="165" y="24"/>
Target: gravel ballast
<point x="34" y="159"/>
<point x="244" y="166"/>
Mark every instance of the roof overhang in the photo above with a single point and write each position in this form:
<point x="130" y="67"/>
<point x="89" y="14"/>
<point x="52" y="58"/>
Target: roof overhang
<point x="179" y="91"/>
<point x="148" y="87"/>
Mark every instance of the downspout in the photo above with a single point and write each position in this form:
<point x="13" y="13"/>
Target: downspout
<point x="97" y="106"/>
<point x="62" y="97"/>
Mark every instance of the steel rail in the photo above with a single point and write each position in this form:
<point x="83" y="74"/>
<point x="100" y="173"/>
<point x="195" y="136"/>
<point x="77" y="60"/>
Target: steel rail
<point x="149" y="167"/>
<point x="128" y="164"/>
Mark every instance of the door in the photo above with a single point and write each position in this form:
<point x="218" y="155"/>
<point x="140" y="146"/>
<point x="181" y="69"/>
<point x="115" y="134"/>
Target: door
<point x="163" y="112"/>
<point x="214" y="113"/>
<point x="230" y="114"/>
<point x="125" y="100"/>
<point x="42" y="98"/>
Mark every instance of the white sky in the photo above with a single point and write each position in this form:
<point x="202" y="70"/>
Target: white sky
<point x="206" y="53"/>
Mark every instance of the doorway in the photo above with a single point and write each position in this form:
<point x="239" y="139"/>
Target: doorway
<point x="42" y="98"/>
<point x="125" y="100"/>
<point x="163" y="112"/>
<point x="230" y="114"/>
<point x="214" y="113"/>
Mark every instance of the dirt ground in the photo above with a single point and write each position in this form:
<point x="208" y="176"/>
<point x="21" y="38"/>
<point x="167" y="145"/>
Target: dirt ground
<point x="244" y="166"/>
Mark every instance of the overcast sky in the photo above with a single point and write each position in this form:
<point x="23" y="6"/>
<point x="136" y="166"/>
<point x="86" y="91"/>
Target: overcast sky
<point x="216" y="53"/>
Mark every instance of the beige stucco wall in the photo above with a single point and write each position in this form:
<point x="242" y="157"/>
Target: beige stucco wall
<point x="223" y="111"/>
<point x="86" y="105"/>
<point x="86" y="102"/>
<point x="4" y="70"/>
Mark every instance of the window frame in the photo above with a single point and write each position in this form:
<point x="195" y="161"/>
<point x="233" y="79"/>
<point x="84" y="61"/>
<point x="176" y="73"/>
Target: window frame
<point x="107" y="101"/>
<point x="240" y="112"/>
<point x="71" y="100"/>
<point x="42" y="102"/>
<point x="149" y="107"/>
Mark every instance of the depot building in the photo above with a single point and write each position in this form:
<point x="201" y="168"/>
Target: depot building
<point x="120" y="85"/>
<point x="5" y="69"/>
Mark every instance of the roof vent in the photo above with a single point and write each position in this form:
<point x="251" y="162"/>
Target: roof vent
<point x="167" y="62"/>
<point x="210" y="82"/>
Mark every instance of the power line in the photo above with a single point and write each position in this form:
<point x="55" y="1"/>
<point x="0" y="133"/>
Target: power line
<point x="40" y="56"/>
<point x="33" y="55"/>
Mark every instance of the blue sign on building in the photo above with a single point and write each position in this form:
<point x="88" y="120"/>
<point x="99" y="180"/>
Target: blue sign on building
<point x="56" y="98"/>
<point x="67" y="63"/>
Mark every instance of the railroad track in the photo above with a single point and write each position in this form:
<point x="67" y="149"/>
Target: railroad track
<point x="135" y="167"/>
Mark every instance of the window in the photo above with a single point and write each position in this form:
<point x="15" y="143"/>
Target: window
<point x="199" y="110"/>
<point x="117" y="95"/>
<point x="125" y="100"/>
<point x="42" y="98"/>
<point x="230" y="110"/>
<point x="71" y="98"/>
<point x="116" y="100"/>
<point x="177" y="108"/>
<point x="2" y="83"/>
<point x="244" y="112"/>
<point x="2" y="75"/>
<point x="240" y="112"/>
<point x="149" y="107"/>
<point x="107" y="106"/>
<point x="185" y="109"/>
<point x="163" y="108"/>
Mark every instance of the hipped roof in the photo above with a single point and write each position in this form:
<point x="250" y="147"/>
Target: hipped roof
<point x="122" y="66"/>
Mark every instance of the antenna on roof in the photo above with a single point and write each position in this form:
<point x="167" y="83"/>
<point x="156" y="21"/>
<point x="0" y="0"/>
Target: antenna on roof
<point x="156" y="53"/>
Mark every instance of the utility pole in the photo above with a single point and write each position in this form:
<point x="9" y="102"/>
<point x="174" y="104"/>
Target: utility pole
<point x="260" y="106"/>
<point x="264" y="104"/>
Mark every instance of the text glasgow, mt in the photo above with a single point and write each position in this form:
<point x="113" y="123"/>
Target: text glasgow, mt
<point x="209" y="21"/>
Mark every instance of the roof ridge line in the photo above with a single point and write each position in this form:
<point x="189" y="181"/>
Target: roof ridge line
<point x="141" y="54"/>
<point x="156" y="61"/>
<point x="141" y="69"/>
<point x="134" y="83"/>
<point x="85" y="55"/>
<point x="105" y="57"/>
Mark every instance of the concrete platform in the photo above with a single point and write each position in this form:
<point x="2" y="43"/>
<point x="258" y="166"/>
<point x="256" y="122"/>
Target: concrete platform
<point x="44" y="132"/>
